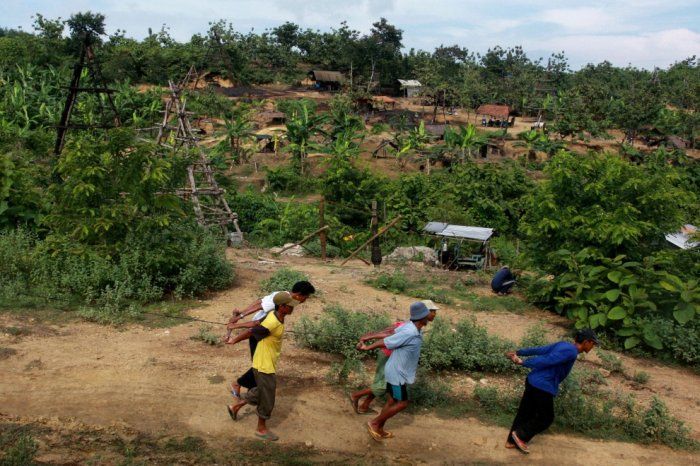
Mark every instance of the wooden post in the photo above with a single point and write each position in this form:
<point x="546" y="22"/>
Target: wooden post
<point x="321" y="224"/>
<point x="380" y="233"/>
<point x="376" y="250"/>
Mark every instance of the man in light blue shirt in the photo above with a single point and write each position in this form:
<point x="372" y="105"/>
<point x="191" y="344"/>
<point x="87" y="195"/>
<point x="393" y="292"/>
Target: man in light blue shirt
<point x="400" y="369"/>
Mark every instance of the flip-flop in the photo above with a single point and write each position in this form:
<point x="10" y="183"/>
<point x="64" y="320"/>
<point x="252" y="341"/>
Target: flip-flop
<point x="519" y="444"/>
<point x="355" y="404"/>
<point x="267" y="436"/>
<point x="375" y="435"/>
<point x="232" y="413"/>
<point x="387" y="434"/>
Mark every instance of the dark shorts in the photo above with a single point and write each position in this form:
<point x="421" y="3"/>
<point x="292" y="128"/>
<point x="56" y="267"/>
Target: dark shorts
<point x="397" y="392"/>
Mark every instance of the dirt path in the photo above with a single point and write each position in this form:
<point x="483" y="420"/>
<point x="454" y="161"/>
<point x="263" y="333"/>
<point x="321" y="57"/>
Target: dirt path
<point x="163" y="382"/>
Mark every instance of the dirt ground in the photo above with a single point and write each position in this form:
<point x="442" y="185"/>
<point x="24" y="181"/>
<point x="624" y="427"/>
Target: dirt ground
<point x="158" y="382"/>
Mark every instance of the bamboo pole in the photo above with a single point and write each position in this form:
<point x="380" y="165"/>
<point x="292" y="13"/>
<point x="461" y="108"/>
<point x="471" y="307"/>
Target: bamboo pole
<point x="305" y="239"/>
<point x="378" y="234"/>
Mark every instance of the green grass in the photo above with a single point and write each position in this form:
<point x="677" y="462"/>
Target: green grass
<point x="435" y="288"/>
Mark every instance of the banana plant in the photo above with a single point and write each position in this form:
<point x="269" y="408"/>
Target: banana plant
<point x="302" y="127"/>
<point x="465" y="141"/>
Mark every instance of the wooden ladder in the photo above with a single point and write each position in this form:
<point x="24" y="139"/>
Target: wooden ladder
<point x="202" y="190"/>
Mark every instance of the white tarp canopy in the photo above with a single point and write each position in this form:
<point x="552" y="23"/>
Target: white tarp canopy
<point x="682" y="238"/>
<point x="458" y="231"/>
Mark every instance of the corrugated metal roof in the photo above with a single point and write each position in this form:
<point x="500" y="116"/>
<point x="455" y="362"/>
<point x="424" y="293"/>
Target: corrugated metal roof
<point x="458" y="231"/>
<point x="327" y="76"/>
<point x="682" y="238"/>
<point x="409" y="83"/>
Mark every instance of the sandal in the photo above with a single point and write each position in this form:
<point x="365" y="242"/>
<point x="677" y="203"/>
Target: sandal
<point x="355" y="405"/>
<point x="387" y="434"/>
<point x="269" y="436"/>
<point x="231" y="412"/>
<point x="375" y="435"/>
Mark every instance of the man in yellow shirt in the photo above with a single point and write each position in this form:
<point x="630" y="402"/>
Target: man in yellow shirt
<point x="269" y="336"/>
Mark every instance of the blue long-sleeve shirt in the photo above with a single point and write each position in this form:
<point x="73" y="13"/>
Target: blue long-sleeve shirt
<point x="550" y="366"/>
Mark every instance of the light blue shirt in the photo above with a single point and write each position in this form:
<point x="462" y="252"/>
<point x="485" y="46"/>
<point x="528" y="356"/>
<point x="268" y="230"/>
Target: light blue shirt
<point x="405" y="344"/>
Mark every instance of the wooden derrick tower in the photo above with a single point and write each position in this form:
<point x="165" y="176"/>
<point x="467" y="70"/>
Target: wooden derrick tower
<point x="94" y="83"/>
<point x="207" y="198"/>
<point x="544" y="87"/>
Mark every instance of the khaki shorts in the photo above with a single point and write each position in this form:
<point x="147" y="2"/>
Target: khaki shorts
<point x="263" y="396"/>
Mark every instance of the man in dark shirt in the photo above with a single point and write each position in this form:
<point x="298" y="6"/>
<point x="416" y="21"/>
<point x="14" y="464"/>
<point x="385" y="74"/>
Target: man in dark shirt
<point x="503" y="281"/>
<point x="550" y="366"/>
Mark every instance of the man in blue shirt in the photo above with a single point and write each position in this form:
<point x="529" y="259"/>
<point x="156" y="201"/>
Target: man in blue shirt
<point x="400" y="369"/>
<point x="503" y="281"/>
<point x="550" y="366"/>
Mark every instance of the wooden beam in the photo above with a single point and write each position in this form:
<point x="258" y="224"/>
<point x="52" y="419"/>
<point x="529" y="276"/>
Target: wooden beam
<point x="378" y="234"/>
<point x="305" y="239"/>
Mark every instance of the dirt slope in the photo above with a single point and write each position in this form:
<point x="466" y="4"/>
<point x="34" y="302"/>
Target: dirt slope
<point x="162" y="382"/>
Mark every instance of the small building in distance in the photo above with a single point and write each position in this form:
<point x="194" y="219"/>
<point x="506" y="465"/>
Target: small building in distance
<point x="495" y="115"/>
<point x="409" y="87"/>
<point x="327" y="80"/>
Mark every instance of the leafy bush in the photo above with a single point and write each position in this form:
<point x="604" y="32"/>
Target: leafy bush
<point x="468" y="347"/>
<point x="282" y="280"/>
<point x="682" y="342"/>
<point x="181" y="259"/>
<point x="338" y="330"/>
<point x="286" y="179"/>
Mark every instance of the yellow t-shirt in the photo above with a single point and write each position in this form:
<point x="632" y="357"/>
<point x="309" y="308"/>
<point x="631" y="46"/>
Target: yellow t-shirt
<point x="268" y="350"/>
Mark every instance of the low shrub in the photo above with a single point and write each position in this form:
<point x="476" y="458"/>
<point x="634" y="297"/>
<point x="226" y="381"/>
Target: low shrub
<point x="338" y="330"/>
<point x="610" y="362"/>
<point x="681" y="342"/>
<point x="396" y="282"/>
<point x="180" y="259"/>
<point x="467" y="347"/>
<point x="286" y="179"/>
<point x="535" y="335"/>
<point x="19" y="449"/>
<point x="641" y="377"/>
<point x="205" y="335"/>
<point x="282" y="280"/>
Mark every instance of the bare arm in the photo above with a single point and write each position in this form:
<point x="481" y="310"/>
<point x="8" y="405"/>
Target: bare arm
<point x="380" y="334"/>
<point x="240" y="337"/>
<point x="375" y="345"/>
<point x="255" y="306"/>
<point x="249" y="324"/>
